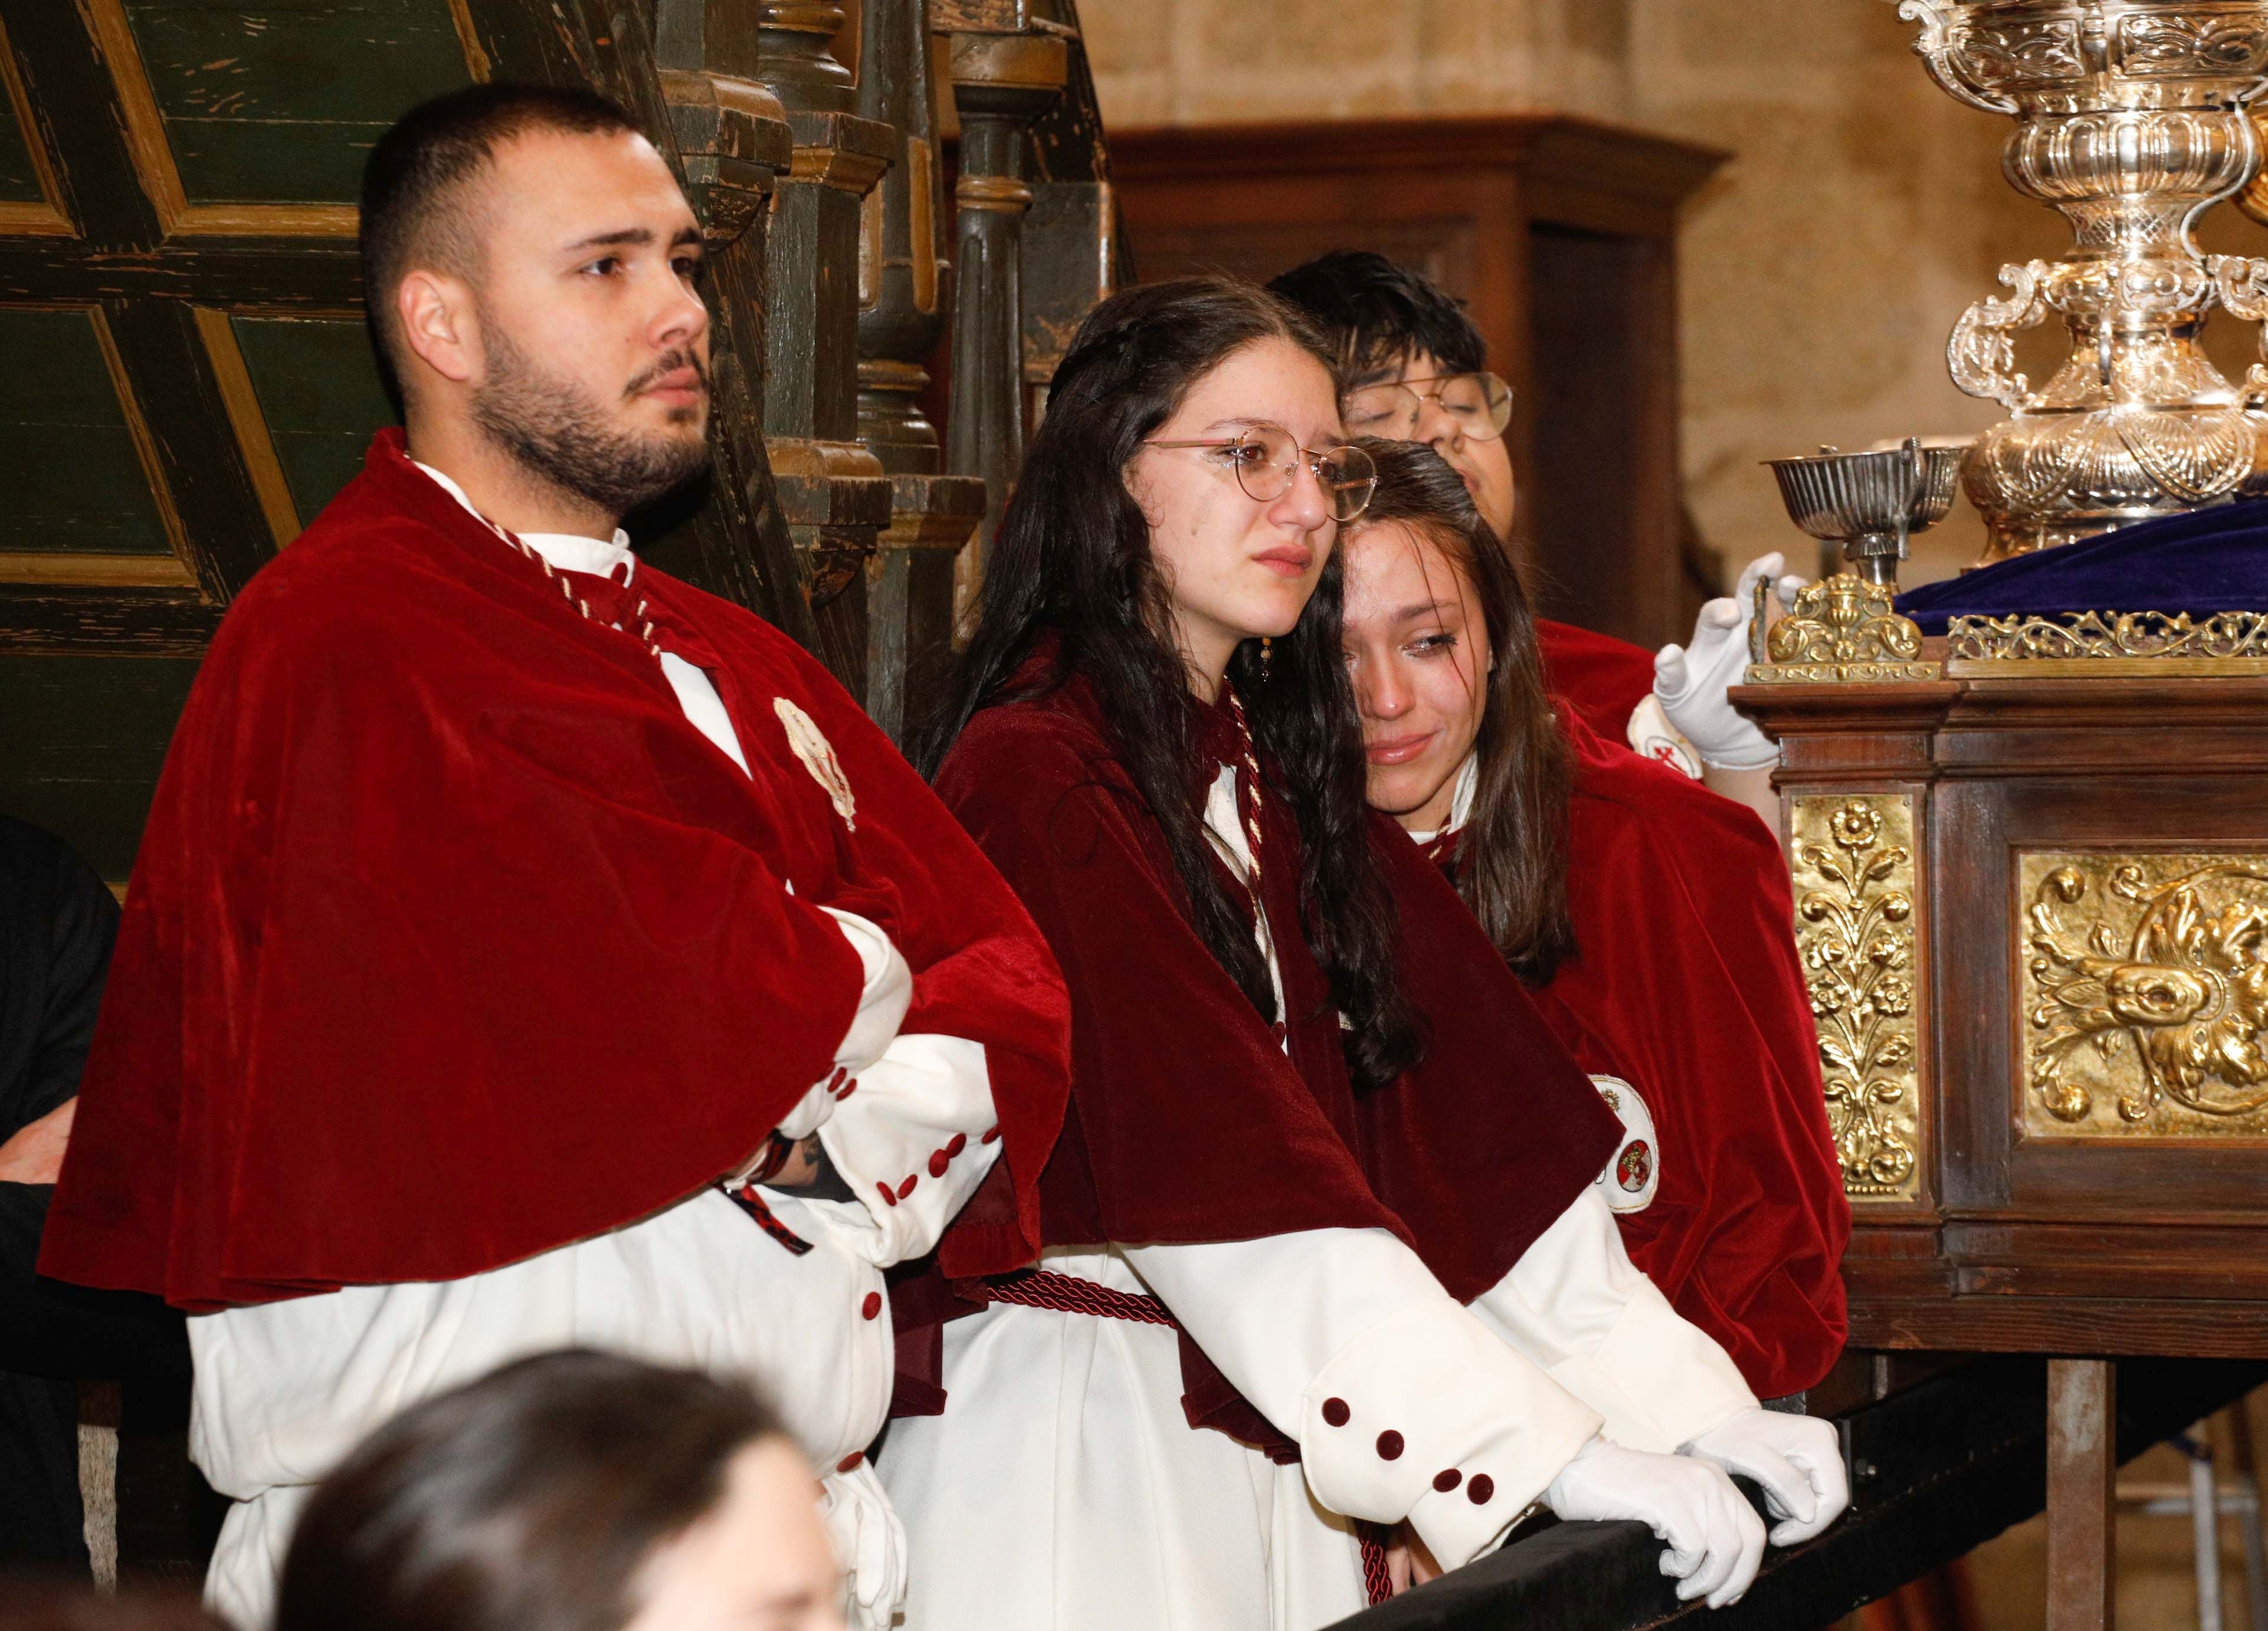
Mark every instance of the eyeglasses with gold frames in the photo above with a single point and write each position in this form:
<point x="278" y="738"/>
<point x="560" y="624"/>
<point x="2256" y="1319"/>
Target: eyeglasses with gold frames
<point x="1479" y="404"/>
<point x="1266" y="458"/>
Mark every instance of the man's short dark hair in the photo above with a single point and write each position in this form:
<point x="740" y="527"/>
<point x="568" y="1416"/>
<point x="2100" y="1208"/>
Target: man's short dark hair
<point x="1375" y="313"/>
<point x="527" y="1501"/>
<point x="411" y="185"/>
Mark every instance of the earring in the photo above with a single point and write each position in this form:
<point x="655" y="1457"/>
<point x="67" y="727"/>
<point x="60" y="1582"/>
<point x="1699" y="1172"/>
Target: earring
<point x="1267" y="649"/>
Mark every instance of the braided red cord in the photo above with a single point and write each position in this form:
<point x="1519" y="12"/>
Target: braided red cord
<point x="1376" y="1580"/>
<point x="1066" y="1294"/>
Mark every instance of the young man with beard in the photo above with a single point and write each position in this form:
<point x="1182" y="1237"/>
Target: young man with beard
<point x="1415" y="370"/>
<point x="511" y="915"/>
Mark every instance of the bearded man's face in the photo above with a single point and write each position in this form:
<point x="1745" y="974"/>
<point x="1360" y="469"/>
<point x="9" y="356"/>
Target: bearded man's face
<point x="594" y="335"/>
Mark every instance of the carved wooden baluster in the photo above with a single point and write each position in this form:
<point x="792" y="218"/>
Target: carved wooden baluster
<point x="1001" y="82"/>
<point x="831" y="488"/>
<point x="1073" y="255"/>
<point x="903" y="283"/>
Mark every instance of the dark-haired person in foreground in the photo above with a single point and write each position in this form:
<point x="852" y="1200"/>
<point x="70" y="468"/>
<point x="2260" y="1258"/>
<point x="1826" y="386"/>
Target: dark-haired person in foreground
<point x="1414" y="369"/>
<point x="1675" y="983"/>
<point x="510" y="912"/>
<point x="572" y="1491"/>
<point x="1324" y="1194"/>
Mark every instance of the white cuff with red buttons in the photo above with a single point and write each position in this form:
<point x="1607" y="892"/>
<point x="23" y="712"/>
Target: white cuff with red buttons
<point x="913" y="1135"/>
<point x="1430" y="1416"/>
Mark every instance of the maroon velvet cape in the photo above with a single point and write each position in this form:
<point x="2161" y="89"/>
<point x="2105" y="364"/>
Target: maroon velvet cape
<point x="1686" y="983"/>
<point x="451" y="941"/>
<point x="1187" y="1121"/>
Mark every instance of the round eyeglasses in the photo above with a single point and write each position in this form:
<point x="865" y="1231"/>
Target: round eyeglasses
<point x="1266" y="458"/>
<point x="1478" y="404"/>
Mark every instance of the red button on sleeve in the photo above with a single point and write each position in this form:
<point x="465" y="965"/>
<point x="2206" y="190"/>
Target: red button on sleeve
<point x="937" y="1163"/>
<point x="961" y="1142"/>
<point x="907" y="1188"/>
<point x="1448" y="1480"/>
<point x="1336" y="1412"/>
<point x="1481" y="1491"/>
<point x="1389" y="1445"/>
<point x="871" y="1308"/>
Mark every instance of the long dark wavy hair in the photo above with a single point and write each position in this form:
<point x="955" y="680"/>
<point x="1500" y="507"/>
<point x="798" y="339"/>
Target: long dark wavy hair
<point x="1071" y="558"/>
<point x="1512" y="852"/>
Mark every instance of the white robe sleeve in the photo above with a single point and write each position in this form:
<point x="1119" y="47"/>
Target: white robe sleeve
<point x="283" y="1390"/>
<point x="1404" y="1405"/>
<point x="882" y="1000"/>
<point x="1579" y="1307"/>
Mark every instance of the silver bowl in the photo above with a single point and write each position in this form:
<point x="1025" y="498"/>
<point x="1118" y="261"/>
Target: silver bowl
<point x="1870" y="502"/>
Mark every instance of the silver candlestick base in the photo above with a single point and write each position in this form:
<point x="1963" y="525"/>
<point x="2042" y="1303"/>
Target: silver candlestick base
<point x="1846" y="628"/>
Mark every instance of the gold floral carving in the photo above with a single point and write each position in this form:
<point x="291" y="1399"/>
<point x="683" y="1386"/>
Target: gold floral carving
<point x="1843" y="629"/>
<point x="2144" y="995"/>
<point x="2116" y="643"/>
<point x="1854" y="863"/>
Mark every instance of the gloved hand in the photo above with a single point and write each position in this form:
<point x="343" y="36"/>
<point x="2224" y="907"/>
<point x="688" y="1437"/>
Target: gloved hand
<point x="869" y="1545"/>
<point x="1715" y="1538"/>
<point x="1798" y="1461"/>
<point x="1689" y="682"/>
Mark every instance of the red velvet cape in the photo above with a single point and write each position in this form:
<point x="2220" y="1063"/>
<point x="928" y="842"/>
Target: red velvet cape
<point x="452" y="941"/>
<point x="1601" y="679"/>
<point x="1187" y="1121"/>
<point x="1686" y="983"/>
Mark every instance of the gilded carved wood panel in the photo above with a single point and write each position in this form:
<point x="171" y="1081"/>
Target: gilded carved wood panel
<point x="1852" y="859"/>
<point x="2143" y="982"/>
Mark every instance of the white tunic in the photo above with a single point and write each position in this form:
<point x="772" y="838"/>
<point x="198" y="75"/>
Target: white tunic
<point x="1062" y="1486"/>
<point x="283" y="1390"/>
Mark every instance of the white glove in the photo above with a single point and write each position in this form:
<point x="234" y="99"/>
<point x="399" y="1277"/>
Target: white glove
<point x="870" y="1547"/>
<point x="1798" y="1461"/>
<point x="1716" y="1540"/>
<point x="1689" y="682"/>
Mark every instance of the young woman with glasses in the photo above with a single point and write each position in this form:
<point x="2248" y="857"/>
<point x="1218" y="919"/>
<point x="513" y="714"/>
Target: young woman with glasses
<point x="1303" y="1274"/>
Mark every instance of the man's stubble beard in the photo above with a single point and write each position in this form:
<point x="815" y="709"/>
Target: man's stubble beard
<point x="550" y="426"/>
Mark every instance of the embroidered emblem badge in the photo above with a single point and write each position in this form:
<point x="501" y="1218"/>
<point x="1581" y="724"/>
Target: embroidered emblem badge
<point x="1634" y="1171"/>
<point x="804" y="738"/>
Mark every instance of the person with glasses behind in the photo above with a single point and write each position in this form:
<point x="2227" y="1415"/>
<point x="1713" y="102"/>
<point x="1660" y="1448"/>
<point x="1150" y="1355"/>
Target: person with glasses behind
<point x="1652" y="919"/>
<point x="1301" y="1272"/>
<point x="1414" y="369"/>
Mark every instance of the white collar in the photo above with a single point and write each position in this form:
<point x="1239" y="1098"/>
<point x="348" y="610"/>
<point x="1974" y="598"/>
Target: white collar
<point x="1461" y="801"/>
<point x="568" y="551"/>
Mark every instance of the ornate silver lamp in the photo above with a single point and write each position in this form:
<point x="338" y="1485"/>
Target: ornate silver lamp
<point x="2132" y="121"/>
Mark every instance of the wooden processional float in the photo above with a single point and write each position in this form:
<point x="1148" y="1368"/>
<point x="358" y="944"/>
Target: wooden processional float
<point x="2030" y="855"/>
